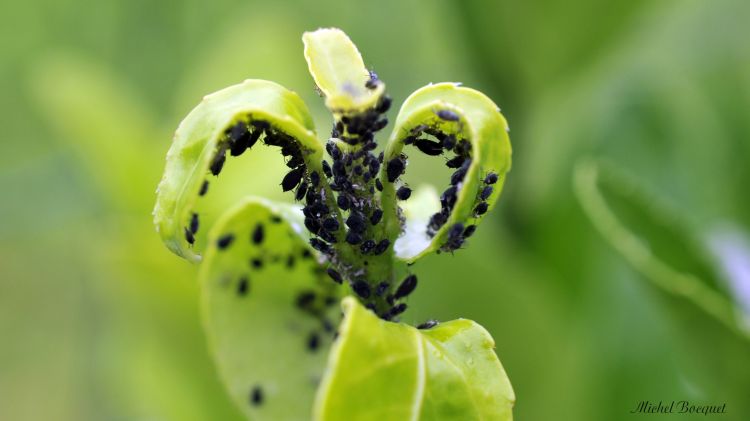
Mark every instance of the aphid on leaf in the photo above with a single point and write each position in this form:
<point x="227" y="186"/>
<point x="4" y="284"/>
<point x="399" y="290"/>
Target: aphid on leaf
<point x="256" y="263"/>
<point x="313" y="341"/>
<point x="384" y="104"/>
<point x="429" y="147"/>
<point x="218" y="162"/>
<point x="319" y="245"/>
<point x="429" y="324"/>
<point x="189" y="237"/>
<point x="395" y="168"/>
<point x="224" y="241"/>
<point x="343" y="202"/>
<point x="292" y="179"/>
<point x="448" y="141"/>
<point x="382" y="288"/>
<point x="242" y="286"/>
<point x="194" y="223"/>
<point x="397" y="309"/>
<point x="314" y="178"/>
<point x="327" y="169"/>
<point x="485" y="193"/>
<point x="469" y="231"/>
<point x="491" y="178"/>
<point x="455" y="162"/>
<point x="381" y="247"/>
<point x="204" y="188"/>
<point x="361" y="288"/>
<point x="353" y="238"/>
<point x="406" y="287"/>
<point x="481" y="208"/>
<point x="367" y="246"/>
<point x="301" y="191"/>
<point x="258" y="234"/>
<point x="378" y="184"/>
<point x="356" y="221"/>
<point x="335" y="275"/>
<point x="447" y="115"/>
<point x="448" y="198"/>
<point x="376" y="216"/>
<point x="330" y="224"/>
<point x="403" y="193"/>
<point x="256" y="396"/>
<point x="373" y="81"/>
<point x="305" y="299"/>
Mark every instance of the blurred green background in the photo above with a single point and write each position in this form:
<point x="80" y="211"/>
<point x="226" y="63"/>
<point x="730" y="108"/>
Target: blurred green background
<point x="98" y="321"/>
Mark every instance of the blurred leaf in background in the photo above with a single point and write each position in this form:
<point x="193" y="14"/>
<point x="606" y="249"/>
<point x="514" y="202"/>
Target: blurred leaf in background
<point x="99" y="321"/>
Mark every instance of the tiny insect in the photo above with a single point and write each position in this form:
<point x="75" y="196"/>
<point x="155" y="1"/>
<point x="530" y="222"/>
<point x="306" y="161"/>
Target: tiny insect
<point x="382" y="246"/>
<point x="242" y="286"/>
<point x="292" y="179"/>
<point x="406" y="287"/>
<point x="314" y="178"/>
<point x="305" y="299"/>
<point x="335" y="275"/>
<point x="367" y="246"/>
<point x="361" y="288"/>
<point x="448" y="198"/>
<point x="376" y="216"/>
<point x="469" y="231"/>
<point x="256" y="263"/>
<point x="448" y="141"/>
<point x="398" y="309"/>
<point x="378" y="184"/>
<point x="356" y="221"/>
<point x="194" y="223"/>
<point x="224" y="241"/>
<point x="491" y="178"/>
<point x="256" y="396"/>
<point x="258" y="234"/>
<point x="395" y="168"/>
<point x="313" y="341"/>
<point x="189" y="237"/>
<point x="218" y="162"/>
<point x="481" y="208"/>
<point x="403" y="193"/>
<point x="373" y="81"/>
<point x="204" y="188"/>
<point x="447" y="115"/>
<point x="343" y="202"/>
<point x="327" y="169"/>
<point x="382" y="288"/>
<point x="429" y="147"/>
<point x="486" y="192"/>
<point x="330" y="224"/>
<point x="384" y="104"/>
<point x="455" y="162"/>
<point x="429" y="324"/>
<point x="301" y="191"/>
<point x="319" y="245"/>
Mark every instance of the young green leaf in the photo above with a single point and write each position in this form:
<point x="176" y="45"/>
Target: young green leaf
<point x="381" y="370"/>
<point x="204" y="139"/>
<point x="269" y="310"/>
<point x="465" y="127"/>
<point x="653" y="239"/>
<point x="339" y="71"/>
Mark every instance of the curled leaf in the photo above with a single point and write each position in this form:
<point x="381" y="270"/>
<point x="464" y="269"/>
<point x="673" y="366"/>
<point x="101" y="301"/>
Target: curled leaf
<point x="209" y="134"/>
<point x="269" y="310"/>
<point x="464" y="129"/>
<point x="339" y="71"/>
<point x="386" y="371"/>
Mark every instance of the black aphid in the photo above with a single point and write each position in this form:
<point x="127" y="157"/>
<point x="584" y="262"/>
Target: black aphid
<point x="491" y="178"/>
<point x="382" y="288"/>
<point x="455" y="237"/>
<point x="204" y="188"/>
<point x="485" y="193"/>
<point x="380" y="124"/>
<point x="367" y="246"/>
<point x="455" y="162"/>
<point x="429" y="324"/>
<point x="218" y="162"/>
<point x="276" y="219"/>
<point x="305" y="299"/>
<point x="429" y="147"/>
<point x="330" y="224"/>
<point x="395" y="168"/>
<point x="353" y="238"/>
<point x="378" y="184"/>
<point x="335" y="275"/>
<point x="384" y="104"/>
<point x="343" y="202"/>
<point x="240" y="138"/>
<point x="313" y="341"/>
<point x="327" y="169"/>
<point x="189" y="237"/>
<point x="356" y="221"/>
<point x="459" y="174"/>
<point x="259" y="234"/>
<point x="481" y="208"/>
<point x="397" y="309"/>
<point x="290" y="260"/>
<point x="312" y="225"/>
<point x="361" y="288"/>
<point x="301" y="191"/>
<point x="447" y="115"/>
<point x="448" y="141"/>
<point x="243" y="286"/>
<point x="373" y="81"/>
<point x="382" y="246"/>
<point x="194" y="223"/>
<point x="224" y="241"/>
<point x="256" y="263"/>
<point x="376" y="216"/>
<point x="469" y="231"/>
<point x="256" y="396"/>
<point x="327" y="236"/>
<point x="448" y="198"/>
<point x="319" y="245"/>
<point x="406" y="287"/>
<point x="292" y="178"/>
<point x="314" y="178"/>
<point x="403" y="193"/>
